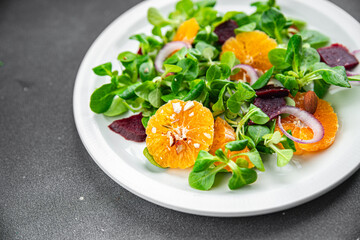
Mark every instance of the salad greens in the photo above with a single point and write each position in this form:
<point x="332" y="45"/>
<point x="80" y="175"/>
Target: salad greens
<point x="201" y="73"/>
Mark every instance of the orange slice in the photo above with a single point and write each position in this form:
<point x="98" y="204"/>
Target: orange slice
<point x="224" y="133"/>
<point x="178" y="131"/>
<point x="187" y="31"/>
<point x="327" y="117"/>
<point x="251" y="48"/>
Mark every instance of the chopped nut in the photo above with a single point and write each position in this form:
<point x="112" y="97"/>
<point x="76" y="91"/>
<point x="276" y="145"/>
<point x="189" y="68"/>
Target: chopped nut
<point x="179" y="148"/>
<point x="310" y="102"/>
<point x="207" y="135"/>
<point x="189" y="105"/>
<point x="171" y="137"/>
<point x="177" y="107"/>
<point x="153" y="130"/>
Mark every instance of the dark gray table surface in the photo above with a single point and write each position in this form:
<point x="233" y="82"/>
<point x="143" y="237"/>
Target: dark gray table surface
<point x="50" y="188"/>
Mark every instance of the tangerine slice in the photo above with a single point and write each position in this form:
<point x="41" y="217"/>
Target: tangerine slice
<point x="251" y="48"/>
<point x="187" y="31"/>
<point x="224" y="133"/>
<point x="327" y="117"/>
<point x="178" y="131"/>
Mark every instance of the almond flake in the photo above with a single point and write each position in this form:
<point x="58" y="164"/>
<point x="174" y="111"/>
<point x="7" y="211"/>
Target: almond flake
<point x="179" y="149"/>
<point x="207" y="135"/>
<point x="196" y="145"/>
<point x="153" y="130"/>
<point x="189" y="105"/>
<point x="177" y="107"/>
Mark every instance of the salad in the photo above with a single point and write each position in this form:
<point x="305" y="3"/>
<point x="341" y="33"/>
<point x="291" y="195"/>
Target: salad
<point x="216" y="92"/>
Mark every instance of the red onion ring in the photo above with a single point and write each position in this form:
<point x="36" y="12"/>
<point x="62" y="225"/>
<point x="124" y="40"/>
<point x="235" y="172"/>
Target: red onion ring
<point x="166" y="51"/>
<point x="250" y="71"/>
<point x="305" y="117"/>
<point x="349" y="73"/>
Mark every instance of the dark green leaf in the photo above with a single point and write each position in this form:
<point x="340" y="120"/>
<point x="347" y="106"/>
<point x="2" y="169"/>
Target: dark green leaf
<point x="309" y="57"/>
<point x="189" y="70"/>
<point x="155" y="98"/>
<point x="117" y="107"/>
<point x="321" y="88"/>
<point x="176" y="83"/>
<point x="185" y="7"/>
<point x="294" y="52"/>
<point x="314" y="38"/>
<point x="126" y="57"/>
<point x="277" y="58"/>
<point x="129" y="92"/>
<point x="354" y="78"/>
<point x="255" y="158"/>
<point x="228" y="58"/>
<point x="102" y="98"/>
<point x="103" y="69"/>
<point x="256" y="132"/>
<point x="201" y="46"/>
<point x="202" y="180"/>
<point x="287" y="142"/>
<point x="332" y="75"/>
<point x="283" y="156"/>
<point x="147" y="71"/>
<point x="206" y="16"/>
<point x="176" y="57"/>
<point x="156" y="19"/>
<point x="219" y="107"/>
<point x="241" y="176"/>
<point x="246" y="28"/>
<point x="258" y="116"/>
<point x="203" y="161"/>
<point x="195" y="92"/>
<point x="237" y="145"/>
<point x="263" y="79"/>
<point x="272" y="22"/>
<point x="144" y="89"/>
<point x="288" y="82"/>
<point x="221" y="156"/>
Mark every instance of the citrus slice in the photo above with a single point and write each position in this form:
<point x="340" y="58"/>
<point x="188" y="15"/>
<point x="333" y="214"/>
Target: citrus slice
<point x="251" y="48"/>
<point x="178" y="131"/>
<point x="187" y="31"/>
<point x="224" y="133"/>
<point x="327" y="117"/>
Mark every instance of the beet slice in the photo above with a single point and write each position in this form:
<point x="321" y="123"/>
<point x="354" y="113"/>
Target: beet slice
<point x="270" y="106"/>
<point x="225" y="30"/>
<point x="270" y="91"/>
<point x="337" y="55"/>
<point x="130" y="128"/>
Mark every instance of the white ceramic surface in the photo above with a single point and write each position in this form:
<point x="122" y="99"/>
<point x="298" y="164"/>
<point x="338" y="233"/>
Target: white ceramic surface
<point x="276" y="189"/>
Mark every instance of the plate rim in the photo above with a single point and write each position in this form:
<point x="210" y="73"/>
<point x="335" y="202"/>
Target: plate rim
<point x="77" y="105"/>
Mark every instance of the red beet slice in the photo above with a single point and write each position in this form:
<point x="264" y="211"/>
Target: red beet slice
<point x="270" y="91"/>
<point x="225" y="30"/>
<point x="270" y="106"/>
<point x="337" y="55"/>
<point x="130" y="128"/>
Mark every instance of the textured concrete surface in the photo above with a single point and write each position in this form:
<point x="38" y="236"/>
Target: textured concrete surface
<point x="50" y="188"/>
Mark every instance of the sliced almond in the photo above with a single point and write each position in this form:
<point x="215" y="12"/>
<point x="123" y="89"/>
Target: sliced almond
<point x="310" y="102"/>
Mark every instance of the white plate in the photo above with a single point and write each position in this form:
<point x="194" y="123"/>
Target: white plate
<point x="276" y="189"/>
